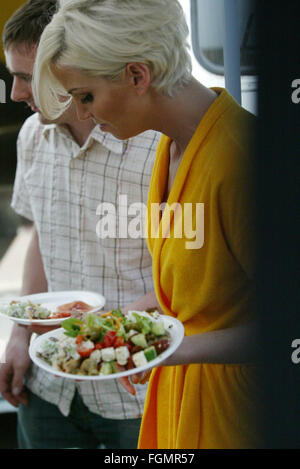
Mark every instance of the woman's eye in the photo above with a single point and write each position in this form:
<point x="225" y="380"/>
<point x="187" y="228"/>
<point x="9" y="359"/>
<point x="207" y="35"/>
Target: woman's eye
<point x="88" y="98"/>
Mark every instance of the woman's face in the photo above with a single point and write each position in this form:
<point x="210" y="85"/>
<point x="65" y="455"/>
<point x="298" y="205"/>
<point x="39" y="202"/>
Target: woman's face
<point x="116" y="107"/>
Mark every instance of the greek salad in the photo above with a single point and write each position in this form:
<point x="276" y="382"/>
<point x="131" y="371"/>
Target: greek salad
<point x="106" y="344"/>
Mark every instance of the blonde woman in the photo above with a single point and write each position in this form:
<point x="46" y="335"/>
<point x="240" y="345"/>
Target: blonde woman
<point x="126" y="65"/>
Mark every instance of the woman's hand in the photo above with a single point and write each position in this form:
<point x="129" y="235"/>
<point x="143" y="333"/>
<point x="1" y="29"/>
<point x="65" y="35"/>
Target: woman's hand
<point x="138" y="378"/>
<point x="141" y="378"/>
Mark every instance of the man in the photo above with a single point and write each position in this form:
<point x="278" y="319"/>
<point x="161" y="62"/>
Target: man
<point x="65" y="171"/>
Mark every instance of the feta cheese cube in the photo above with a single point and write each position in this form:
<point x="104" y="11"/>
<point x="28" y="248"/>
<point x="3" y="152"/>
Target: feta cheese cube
<point x="122" y="355"/>
<point x="96" y="356"/>
<point x="87" y="344"/>
<point x="139" y="359"/>
<point x="108" y="354"/>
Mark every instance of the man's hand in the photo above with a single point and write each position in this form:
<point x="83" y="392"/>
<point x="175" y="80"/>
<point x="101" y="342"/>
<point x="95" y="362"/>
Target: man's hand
<point x="13" y="370"/>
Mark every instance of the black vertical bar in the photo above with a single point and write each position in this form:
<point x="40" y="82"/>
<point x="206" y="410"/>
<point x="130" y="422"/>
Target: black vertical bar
<point x="278" y="210"/>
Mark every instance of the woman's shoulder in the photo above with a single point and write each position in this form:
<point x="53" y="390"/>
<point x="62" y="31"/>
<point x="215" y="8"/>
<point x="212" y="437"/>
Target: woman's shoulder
<point x="233" y="143"/>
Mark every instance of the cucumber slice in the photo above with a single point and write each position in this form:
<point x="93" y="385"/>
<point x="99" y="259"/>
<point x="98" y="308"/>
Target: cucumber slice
<point x="158" y="328"/>
<point x="150" y="353"/>
<point x="113" y="367"/>
<point x="139" y="339"/>
<point x="106" y="368"/>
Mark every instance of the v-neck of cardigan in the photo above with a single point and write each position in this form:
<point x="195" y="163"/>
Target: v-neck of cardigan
<point x="160" y="174"/>
<point x="218" y="107"/>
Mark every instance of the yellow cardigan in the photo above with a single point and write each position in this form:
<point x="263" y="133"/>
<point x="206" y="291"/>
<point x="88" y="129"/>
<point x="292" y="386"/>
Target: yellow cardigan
<point x="207" y="288"/>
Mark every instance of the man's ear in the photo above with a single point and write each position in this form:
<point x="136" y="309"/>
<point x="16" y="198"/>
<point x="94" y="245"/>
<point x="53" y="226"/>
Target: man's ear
<point x="139" y="76"/>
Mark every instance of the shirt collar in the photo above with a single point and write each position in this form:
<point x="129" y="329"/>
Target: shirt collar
<point x="110" y="142"/>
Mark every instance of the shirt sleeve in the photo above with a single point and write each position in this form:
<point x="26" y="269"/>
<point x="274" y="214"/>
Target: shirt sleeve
<point x="21" y="199"/>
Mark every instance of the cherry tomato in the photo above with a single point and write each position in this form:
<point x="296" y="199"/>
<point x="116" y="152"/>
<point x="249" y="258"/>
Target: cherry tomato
<point x="119" y="341"/>
<point x="79" y="339"/>
<point x="98" y="346"/>
<point x="109" y="338"/>
<point x="85" y="353"/>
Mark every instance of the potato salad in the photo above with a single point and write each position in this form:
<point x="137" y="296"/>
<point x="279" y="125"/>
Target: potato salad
<point x="32" y="311"/>
<point x="25" y="310"/>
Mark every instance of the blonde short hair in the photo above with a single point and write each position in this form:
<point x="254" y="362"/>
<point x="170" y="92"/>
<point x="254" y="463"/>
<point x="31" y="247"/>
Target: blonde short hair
<point x="99" y="37"/>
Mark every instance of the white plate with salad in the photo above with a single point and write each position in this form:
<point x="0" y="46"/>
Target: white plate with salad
<point x="51" y="308"/>
<point x="108" y="346"/>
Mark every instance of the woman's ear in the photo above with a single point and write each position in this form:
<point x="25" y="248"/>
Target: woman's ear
<point x="139" y="76"/>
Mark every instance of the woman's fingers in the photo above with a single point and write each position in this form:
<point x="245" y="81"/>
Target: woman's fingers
<point x="127" y="385"/>
<point x="141" y="378"/>
<point x="125" y="381"/>
<point x="136" y="378"/>
<point x="146" y="377"/>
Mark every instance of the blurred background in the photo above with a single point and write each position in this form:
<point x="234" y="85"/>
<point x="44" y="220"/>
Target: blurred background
<point x="12" y="115"/>
<point x="14" y="230"/>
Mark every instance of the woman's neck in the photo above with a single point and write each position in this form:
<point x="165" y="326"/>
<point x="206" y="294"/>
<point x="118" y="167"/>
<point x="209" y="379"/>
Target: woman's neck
<point x="180" y="116"/>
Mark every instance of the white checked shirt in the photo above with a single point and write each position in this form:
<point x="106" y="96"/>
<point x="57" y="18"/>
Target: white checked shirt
<point x="59" y="186"/>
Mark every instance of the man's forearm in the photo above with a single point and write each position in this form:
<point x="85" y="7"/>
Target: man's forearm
<point x="34" y="278"/>
<point x="20" y="333"/>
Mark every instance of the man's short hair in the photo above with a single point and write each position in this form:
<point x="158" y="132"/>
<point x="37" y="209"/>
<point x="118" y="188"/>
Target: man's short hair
<point x="26" y="25"/>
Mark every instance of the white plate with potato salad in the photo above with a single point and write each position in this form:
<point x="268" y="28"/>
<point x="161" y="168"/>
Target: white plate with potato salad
<point x="108" y="346"/>
<point x="51" y="308"/>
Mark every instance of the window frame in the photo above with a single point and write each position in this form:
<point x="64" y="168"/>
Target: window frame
<point x="246" y="70"/>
